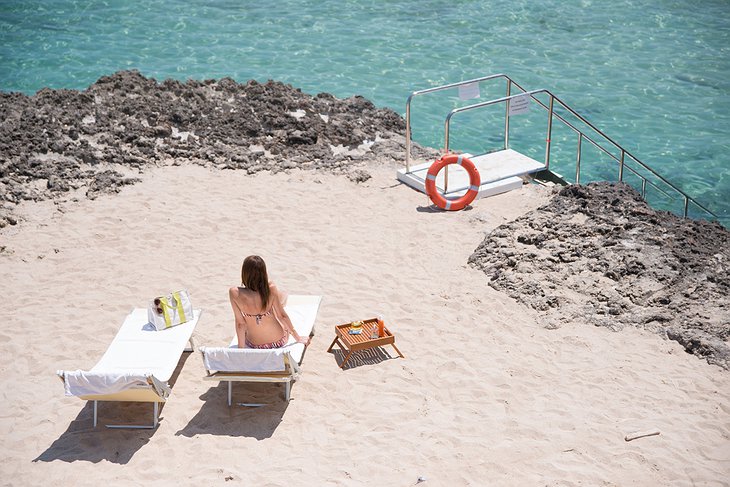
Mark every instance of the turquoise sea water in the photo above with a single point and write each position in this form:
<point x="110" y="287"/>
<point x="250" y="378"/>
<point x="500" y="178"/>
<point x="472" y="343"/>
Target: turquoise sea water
<point x="654" y="75"/>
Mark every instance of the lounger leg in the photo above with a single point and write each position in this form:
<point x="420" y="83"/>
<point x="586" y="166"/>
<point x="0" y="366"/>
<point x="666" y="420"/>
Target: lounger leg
<point x="288" y="390"/>
<point x="155" y="421"/>
<point x="230" y="385"/>
<point x="95" y="413"/>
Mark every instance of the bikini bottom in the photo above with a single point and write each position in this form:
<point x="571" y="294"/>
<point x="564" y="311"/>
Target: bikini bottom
<point x="277" y="344"/>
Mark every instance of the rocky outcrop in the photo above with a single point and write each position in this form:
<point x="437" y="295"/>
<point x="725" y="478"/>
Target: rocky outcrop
<point x="598" y="254"/>
<point x="62" y="140"/>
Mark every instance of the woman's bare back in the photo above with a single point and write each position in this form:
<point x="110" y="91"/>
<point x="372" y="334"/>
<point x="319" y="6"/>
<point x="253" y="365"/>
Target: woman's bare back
<point x="259" y="325"/>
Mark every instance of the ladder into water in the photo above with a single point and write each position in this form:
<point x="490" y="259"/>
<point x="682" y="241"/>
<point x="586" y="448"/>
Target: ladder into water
<point x="506" y="169"/>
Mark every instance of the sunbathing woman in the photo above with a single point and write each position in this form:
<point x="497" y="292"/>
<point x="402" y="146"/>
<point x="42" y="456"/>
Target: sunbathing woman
<point x="261" y="321"/>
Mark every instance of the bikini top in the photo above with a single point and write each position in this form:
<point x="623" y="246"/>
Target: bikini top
<point x="257" y="316"/>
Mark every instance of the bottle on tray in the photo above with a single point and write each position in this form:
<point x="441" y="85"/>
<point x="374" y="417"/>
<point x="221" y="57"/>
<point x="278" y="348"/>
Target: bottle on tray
<point x="381" y="325"/>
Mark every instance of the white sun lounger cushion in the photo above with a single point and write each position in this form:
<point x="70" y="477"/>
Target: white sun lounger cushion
<point x="137" y="352"/>
<point x="86" y="383"/>
<point x="230" y="359"/>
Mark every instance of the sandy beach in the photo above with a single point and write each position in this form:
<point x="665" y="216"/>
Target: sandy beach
<point x="487" y="395"/>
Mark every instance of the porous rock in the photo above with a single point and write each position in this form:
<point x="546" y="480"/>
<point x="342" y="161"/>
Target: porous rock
<point x="73" y="139"/>
<point x="598" y="254"/>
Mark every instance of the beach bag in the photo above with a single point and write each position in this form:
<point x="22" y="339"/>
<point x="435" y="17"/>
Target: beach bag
<point x="167" y="311"/>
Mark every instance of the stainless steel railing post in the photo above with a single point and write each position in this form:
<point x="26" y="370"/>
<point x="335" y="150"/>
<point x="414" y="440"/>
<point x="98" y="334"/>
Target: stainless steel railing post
<point x="549" y="132"/>
<point x="408" y="133"/>
<point x="446" y="151"/>
<point x="621" y="167"/>
<point x="506" y="115"/>
<point x="577" y="159"/>
<point x="686" y="205"/>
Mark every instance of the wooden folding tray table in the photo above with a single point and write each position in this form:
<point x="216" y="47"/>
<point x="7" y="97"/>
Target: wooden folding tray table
<point x="354" y="343"/>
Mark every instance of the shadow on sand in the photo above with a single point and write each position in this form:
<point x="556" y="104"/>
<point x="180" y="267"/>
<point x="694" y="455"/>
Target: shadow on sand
<point x="81" y="441"/>
<point x="436" y="209"/>
<point x="369" y="356"/>
<point x="216" y="418"/>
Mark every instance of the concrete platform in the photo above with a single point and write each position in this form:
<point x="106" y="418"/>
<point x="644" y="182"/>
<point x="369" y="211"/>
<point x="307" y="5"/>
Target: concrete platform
<point x="499" y="172"/>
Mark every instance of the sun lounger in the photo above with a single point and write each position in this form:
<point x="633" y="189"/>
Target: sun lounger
<point x="136" y="366"/>
<point x="233" y="364"/>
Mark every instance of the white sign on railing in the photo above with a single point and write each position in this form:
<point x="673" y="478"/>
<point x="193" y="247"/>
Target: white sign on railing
<point x="519" y="105"/>
<point x="469" y="91"/>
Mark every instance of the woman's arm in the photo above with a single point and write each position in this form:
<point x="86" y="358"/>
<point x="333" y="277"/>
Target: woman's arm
<point x="240" y="324"/>
<point x="283" y="295"/>
<point x="284" y="317"/>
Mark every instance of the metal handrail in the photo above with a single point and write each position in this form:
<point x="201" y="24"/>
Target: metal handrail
<point x="481" y="105"/>
<point x="431" y="90"/>
<point x="550" y="109"/>
<point x="510" y="82"/>
<point x="624" y="153"/>
<point x="551" y="114"/>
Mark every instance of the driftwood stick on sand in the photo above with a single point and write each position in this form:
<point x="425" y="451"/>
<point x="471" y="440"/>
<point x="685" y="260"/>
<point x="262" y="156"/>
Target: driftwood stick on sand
<point x="641" y="434"/>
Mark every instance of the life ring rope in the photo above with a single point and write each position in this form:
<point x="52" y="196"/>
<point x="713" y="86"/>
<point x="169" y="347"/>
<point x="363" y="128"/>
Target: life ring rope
<point x="452" y="204"/>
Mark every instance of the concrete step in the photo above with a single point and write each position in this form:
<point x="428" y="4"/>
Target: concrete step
<point x="499" y="172"/>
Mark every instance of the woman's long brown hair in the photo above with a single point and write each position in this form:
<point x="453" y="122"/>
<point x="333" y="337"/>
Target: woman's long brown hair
<point x="255" y="278"/>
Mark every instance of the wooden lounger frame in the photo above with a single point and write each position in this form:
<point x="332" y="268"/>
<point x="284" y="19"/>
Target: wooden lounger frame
<point x="289" y="374"/>
<point x="155" y="392"/>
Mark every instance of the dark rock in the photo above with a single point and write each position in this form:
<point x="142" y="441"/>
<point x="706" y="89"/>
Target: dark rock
<point x="7" y="218"/>
<point x="107" y="181"/>
<point x="55" y="183"/>
<point x="358" y="176"/>
<point x="650" y="268"/>
<point x="135" y="121"/>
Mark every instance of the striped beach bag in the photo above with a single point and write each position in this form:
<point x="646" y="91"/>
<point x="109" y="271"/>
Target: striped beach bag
<point x="167" y="311"/>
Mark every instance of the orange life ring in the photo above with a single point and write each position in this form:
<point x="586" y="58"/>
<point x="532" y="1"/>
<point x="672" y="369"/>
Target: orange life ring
<point x="459" y="203"/>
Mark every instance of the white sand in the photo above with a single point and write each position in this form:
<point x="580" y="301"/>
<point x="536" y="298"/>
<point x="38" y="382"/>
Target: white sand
<point x="485" y="395"/>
